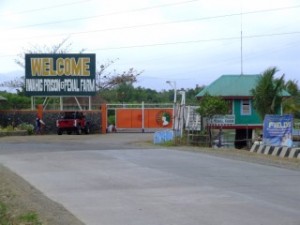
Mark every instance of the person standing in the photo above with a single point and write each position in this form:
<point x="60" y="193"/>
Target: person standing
<point x="39" y="123"/>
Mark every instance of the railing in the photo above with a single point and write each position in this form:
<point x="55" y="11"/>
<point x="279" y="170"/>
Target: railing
<point x="139" y="105"/>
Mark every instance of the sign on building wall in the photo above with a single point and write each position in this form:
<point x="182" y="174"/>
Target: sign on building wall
<point x="60" y="74"/>
<point x="278" y="130"/>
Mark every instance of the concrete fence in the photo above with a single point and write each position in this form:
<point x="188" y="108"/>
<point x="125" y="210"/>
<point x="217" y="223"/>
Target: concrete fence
<point x="280" y="151"/>
<point x="16" y="117"/>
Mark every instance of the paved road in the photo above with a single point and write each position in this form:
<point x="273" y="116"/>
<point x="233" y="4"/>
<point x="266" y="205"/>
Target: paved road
<point x="108" y="180"/>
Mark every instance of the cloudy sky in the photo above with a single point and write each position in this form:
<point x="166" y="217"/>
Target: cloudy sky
<point x="186" y="41"/>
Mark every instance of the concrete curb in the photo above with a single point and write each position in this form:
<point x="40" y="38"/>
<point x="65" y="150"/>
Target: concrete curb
<point x="280" y="151"/>
<point x="13" y="133"/>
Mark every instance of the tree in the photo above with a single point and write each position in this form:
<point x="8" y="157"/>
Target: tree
<point x="267" y="95"/>
<point x="211" y="106"/>
<point x="108" y="80"/>
<point x="292" y="105"/>
<point x="15" y="101"/>
<point x="191" y="93"/>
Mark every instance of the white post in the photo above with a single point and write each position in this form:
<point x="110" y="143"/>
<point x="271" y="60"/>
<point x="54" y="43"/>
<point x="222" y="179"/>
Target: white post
<point x="90" y="103"/>
<point x="80" y="108"/>
<point x="182" y="108"/>
<point x="61" y="103"/>
<point x="173" y="85"/>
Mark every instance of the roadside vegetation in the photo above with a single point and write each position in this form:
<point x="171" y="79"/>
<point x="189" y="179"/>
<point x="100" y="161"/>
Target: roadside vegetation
<point x="26" y="128"/>
<point x="12" y="210"/>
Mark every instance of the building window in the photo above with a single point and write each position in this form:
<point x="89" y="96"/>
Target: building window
<point x="245" y="107"/>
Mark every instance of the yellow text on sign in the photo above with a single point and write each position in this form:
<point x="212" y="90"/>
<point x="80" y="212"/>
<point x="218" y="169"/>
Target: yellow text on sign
<point x="60" y="66"/>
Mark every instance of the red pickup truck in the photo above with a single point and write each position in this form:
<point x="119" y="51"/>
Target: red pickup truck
<point x="72" y="122"/>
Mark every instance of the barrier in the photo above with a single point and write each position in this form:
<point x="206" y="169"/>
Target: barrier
<point x="294" y="153"/>
<point x="283" y="152"/>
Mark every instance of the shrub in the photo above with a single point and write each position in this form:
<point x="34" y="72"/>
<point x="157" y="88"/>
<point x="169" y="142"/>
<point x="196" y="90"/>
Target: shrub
<point x="26" y="126"/>
<point x="9" y="128"/>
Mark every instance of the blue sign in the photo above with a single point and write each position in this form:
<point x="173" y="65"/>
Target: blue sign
<point x="60" y="74"/>
<point x="278" y="130"/>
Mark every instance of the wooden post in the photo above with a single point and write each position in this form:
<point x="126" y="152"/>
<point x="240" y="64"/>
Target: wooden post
<point x="103" y="118"/>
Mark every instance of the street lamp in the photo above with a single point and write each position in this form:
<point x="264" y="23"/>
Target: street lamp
<point x="181" y="114"/>
<point x="173" y="85"/>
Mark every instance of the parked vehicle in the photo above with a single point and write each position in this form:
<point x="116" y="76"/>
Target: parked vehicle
<point x="73" y="122"/>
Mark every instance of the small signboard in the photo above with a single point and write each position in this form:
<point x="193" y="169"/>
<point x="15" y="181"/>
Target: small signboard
<point x="60" y="74"/>
<point x="278" y="130"/>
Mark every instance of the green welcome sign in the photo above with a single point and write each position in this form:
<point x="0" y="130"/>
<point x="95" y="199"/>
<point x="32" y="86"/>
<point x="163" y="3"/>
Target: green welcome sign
<point x="60" y="74"/>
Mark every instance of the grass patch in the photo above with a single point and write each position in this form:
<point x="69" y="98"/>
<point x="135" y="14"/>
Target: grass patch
<point x="30" y="218"/>
<point x="7" y="216"/>
<point x="12" y="211"/>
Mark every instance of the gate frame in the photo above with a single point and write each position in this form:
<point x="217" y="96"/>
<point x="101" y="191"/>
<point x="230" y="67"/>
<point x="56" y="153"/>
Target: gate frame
<point x="141" y="106"/>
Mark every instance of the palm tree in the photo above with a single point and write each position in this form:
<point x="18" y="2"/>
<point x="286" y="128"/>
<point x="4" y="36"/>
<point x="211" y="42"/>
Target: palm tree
<point x="268" y="93"/>
<point x="292" y="105"/>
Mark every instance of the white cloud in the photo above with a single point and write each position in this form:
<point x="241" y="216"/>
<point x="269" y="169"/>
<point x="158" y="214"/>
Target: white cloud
<point x="193" y="62"/>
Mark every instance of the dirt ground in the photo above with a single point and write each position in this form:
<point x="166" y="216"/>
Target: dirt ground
<point x="21" y="197"/>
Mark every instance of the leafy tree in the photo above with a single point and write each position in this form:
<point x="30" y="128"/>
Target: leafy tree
<point x="108" y="80"/>
<point x="211" y="106"/>
<point x="267" y="96"/>
<point x="15" y="101"/>
<point x="191" y="93"/>
<point x="292" y="105"/>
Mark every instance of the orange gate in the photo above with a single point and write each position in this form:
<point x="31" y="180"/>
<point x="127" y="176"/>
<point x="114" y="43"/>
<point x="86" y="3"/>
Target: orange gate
<point x="140" y="117"/>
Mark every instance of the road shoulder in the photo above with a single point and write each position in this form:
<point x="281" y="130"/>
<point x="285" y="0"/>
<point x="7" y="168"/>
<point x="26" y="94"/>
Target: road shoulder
<point x="20" y="197"/>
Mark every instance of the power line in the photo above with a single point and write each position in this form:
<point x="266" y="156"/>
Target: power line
<point x="164" y="23"/>
<point x="189" y="42"/>
<point x="153" y="7"/>
<point x="197" y="41"/>
<point x="106" y="14"/>
<point x="46" y="8"/>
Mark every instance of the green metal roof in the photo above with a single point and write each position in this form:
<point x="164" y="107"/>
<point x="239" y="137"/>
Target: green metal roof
<point x="233" y="86"/>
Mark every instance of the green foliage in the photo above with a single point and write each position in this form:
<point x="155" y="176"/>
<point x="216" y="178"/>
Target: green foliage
<point x="127" y="93"/>
<point x="8" y="128"/>
<point x="292" y="105"/>
<point x="212" y="105"/>
<point x="15" y="101"/>
<point x="23" y="126"/>
<point x="267" y="93"/>
<point x="169" y="143"/>
<point x="119" y="93"/>
<point x="111" y="119"/>
<point x="3" y="214"/>
<point x="7" y="218"/>
<point x="26" y="126"/>
<point x="30" y="218"/>
<point x="292" y="87"/>
<point x="191" y="93"/>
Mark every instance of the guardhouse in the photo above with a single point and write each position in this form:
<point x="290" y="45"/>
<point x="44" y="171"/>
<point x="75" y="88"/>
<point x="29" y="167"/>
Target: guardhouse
<point x="236" y="89"/>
